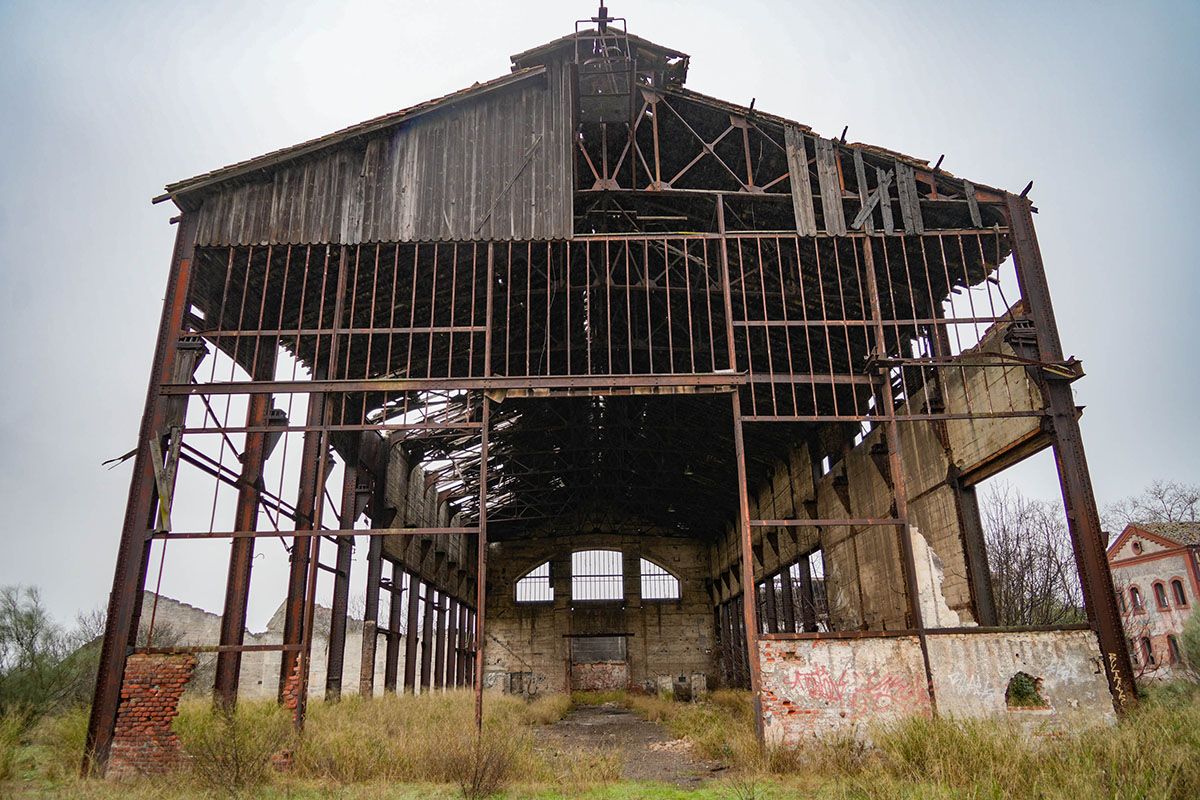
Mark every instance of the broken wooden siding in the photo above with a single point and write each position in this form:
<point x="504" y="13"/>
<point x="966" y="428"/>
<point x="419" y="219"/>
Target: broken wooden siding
<point x="497" y="167"/>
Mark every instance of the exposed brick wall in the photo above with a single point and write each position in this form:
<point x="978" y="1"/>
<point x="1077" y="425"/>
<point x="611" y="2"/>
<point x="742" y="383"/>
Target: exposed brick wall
<point x="291" y="689"/>
<point x="143" y="742"/>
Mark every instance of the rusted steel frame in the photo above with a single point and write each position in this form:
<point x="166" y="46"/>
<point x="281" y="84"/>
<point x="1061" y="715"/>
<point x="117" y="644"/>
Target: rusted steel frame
<point x="216" y="648"/>
<point x="208" y="465"/>
<point x="770" y="611"/>
<point x="439" y="647"/>
<point x="411" y="631"/>
<point x="808" y="597"/>
<point x="428" y="428"/>
<point x="272" y="332"/>
<point x="129" y="578"/>
<point x="747" y="565"/>
<point x="340" y="604"/>
<point x="241" y="556"/>
<point x="428" y="637"/>
<point x="450" y="674"/>
<point x="706" y="146"/>
<point x="882" y="416"/>
<point x="370" y="638"/>
<point x="462" y="654"/>
<point x="1083" y="520"/>
<point x="308" y="534"/>
<point x="816" y="522"/>
<point x="310" y="592"/>
<point x="391" y="656"/>
<point x="481" y="565"/>
<point x="322" y="387"/>
<point x="896" y="470"/>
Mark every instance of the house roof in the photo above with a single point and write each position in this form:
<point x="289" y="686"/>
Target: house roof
<point x="1168" y="534"/>
<point x="1183" y="533"/>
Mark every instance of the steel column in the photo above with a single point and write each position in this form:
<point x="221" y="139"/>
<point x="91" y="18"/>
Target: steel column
<point x="462" y="653"/>
<point x="749" y="606"/>
<point x="391" y="663"/>
<point x="481" y="560"/>
<point x="370" y="632"/>
<point x="241" y="556"/>
<point x="808" y="598"/>
<point x="428" y="638"/>
<point x="412" y="633"/>
<point x="787" y="589"/>
<point x="129" y="578"/>
<point x="439" y="647"/>
<point x="1083" y="520"/>
<point x="335" y="662"/>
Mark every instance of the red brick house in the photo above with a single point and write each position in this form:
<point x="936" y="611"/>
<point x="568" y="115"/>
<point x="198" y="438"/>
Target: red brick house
<point x="1156" y="570"/>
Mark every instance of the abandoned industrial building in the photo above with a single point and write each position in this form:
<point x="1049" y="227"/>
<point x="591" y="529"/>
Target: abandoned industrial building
<point x="618" y="385"/>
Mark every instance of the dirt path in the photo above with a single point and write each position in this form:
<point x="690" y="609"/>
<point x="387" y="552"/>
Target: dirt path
<point x="648" y="752"/>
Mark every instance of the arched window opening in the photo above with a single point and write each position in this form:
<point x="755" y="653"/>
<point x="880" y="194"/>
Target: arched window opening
<point x="1147" y="652"/>
<point x="1135" y="598"/>
<point x="597" y="575"/>
<point x="657" y="583"/>
<point x="1175" y="653"/>
<point x="535" y="586"/>
<point x="1179" y="592"/>
<point x="1160" y="595"/>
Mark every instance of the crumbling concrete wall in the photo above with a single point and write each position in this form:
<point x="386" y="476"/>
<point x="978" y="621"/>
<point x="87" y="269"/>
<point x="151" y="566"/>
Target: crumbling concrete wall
<point x="832" y="688"/>
<point x="666" y="638"/>
<point x="971" y="674"/>
<point x="863" y="575"/>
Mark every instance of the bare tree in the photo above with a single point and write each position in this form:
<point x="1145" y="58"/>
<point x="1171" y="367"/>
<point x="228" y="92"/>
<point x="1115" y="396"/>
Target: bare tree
<point x="1161" y="501"/>
<point x="1034" y="576"/>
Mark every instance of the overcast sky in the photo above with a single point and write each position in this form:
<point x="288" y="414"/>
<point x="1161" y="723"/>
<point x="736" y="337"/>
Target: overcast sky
<point x="101" y="104"/>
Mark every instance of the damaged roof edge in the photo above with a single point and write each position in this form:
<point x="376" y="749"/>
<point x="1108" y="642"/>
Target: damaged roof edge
<point x="275" y="157"/>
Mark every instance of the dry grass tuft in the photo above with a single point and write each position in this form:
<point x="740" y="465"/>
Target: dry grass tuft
<point x="231" y="750"/>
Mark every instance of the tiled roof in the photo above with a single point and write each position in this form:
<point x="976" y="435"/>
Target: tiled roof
<point x="1182" y="532"/>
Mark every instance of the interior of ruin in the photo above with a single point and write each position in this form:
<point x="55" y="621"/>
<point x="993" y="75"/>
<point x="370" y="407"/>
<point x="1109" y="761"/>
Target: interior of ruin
<point x="619" y="386"/>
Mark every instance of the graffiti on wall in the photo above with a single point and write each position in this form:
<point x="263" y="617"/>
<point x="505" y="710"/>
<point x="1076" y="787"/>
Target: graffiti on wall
<point x="859" y="692"/>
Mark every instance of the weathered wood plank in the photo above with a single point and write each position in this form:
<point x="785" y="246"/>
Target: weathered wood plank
<point x="802" y="199"/>
<point x="972" y="204"/>
<point x="884" y="181"/>
<point x="865" y="210"/>
<point x="831" y="187"/>
<point x="910" y="201"/>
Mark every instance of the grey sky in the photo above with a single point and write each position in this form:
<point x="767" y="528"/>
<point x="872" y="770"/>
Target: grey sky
<point x="101" y="104"/>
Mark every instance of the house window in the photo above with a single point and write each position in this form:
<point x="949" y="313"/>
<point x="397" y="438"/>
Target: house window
<point x="1160" y="596"/>
<point x="1135" y="599"/>
<point x="1147" y="651"/>
<point x="1179" y="592"/>
<point x="1173" y="648"/>
<point x="1136" y="546"/>
<point x="657" y="583"/>
<point x="597" y="575"/>
<point x="535" y="586"/>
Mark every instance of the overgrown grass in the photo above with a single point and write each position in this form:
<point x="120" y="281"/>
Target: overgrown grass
<point x="422" y="747"/>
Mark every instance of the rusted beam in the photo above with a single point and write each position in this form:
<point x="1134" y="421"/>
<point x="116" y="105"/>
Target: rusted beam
<point x="335" y="662"/>
<point x="391" y="664"/>
<point x="428" y="638"/>
<point x="370" y="636"/>
<point x="1088" y="539"/>
<point x="124" y="601"/>
<point x="439" y="648"/>
<point x="412" y="633"/>
<point x="481" y="565"/>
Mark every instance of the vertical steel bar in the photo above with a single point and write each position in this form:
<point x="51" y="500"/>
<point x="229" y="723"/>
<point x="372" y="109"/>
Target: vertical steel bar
<point x="452" y="643"/>
<point x="439" y="647"/>
<point x="1083" y="520"/>
<point x="370" y="632"/>
<point x="749" y="614"/>
<point x="124" y="601"/>
<point x="481" y="564"/>
<point x="428" y="637"/>
<point x="335" y="662"/>
<point x="412" y="633"/>
<point x="391" y="662"/>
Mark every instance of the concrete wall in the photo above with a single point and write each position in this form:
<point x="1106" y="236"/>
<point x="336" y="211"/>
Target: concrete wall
<point x="183" y="624"/>
<point x="864" y="579"/>
<point x="848" y="687"/>
<point x="667" y="638"/>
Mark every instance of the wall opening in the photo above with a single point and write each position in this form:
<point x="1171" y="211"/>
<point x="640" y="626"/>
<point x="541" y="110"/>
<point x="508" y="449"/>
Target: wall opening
<point x="1024" y="691"/>
<point x="657" y="583"/>
<point x="535" y="586"/>
<point x="597" y="575"/>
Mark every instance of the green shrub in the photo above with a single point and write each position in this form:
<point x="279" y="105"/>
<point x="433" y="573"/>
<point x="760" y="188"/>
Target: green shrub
<point x="12" y="725"/>
<point x="232" y="750"/>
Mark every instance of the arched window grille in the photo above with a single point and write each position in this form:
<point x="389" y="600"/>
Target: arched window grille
<point x="1160" y="595"/>
<point x="657" y="583"/>
<point x="1135" y="598"/>
<point x="534" y="586"/>
<point x="597" y="575"/>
